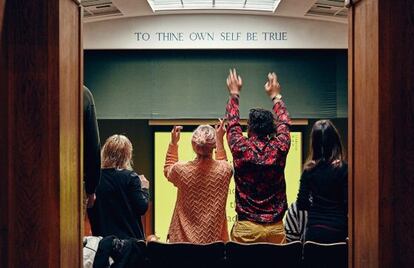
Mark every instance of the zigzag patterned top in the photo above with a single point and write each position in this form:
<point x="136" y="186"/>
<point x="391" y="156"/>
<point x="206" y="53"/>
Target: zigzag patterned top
<point x="200" y="211"/>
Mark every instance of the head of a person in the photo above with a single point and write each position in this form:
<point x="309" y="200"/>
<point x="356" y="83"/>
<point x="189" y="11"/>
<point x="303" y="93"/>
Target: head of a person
<point x="204" y="140"/>
<point x="325" y="145"/>
<point x="117" y="153"/>
<point x="261" y="123"/>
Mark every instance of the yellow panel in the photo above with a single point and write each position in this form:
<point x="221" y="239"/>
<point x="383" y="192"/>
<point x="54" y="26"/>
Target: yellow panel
<point x="165" y="193"/>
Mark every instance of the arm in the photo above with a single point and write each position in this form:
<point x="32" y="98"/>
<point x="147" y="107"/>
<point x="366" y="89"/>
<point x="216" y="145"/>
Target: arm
<point x="302" y="201"/>
<point x="273" y="89"/>
<point x="235" y="137"/>
<point x="92" y="145"/>
<point x="138" y="193"/>
<point x="220" y="151"/>
<point x="282" y="125"/>
<point x="170" y="167"/>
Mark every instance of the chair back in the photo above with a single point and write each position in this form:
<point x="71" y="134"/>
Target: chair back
<point x="325" y="255"/>
<point x="263" y="254"/>
<point x="185" y="255"/>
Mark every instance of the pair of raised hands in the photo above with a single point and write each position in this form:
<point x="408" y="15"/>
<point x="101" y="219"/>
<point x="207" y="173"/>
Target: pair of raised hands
<point x="220" y="131"/>
<point x="235" y="83"/>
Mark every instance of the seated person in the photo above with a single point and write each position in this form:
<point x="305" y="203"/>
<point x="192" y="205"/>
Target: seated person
<point x="122" y="195"/>
<point x="323" y="188"/>
<point x="200" y="211"/>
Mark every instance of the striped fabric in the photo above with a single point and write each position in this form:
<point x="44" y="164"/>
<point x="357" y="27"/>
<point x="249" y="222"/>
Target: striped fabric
<point x="295" y="223"/>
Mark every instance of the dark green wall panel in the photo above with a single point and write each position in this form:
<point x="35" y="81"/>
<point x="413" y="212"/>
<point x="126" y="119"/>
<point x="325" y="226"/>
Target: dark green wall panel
<point x="165" y="84"/>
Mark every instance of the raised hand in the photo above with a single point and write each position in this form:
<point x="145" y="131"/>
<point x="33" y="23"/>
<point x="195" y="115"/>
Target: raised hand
<point x="234" y="83"/>
<point x="175" y="134"/>
<point x="220" y="130"/>
<point x="272" y="86"/>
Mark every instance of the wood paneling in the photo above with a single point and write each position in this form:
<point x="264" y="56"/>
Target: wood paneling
<point x="148" y="219"/>
<point x="40" y="134"/>
<point x="396" y="65"/>
<point x="381" y="130"/>
<point x="70" y="134"/>
<point x="3" y="140"/>
<point x="365" y="133"/>
<point x="350" y="147"/>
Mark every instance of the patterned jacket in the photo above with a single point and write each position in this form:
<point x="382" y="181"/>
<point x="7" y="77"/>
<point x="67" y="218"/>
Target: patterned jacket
<point x="259" y="166"/>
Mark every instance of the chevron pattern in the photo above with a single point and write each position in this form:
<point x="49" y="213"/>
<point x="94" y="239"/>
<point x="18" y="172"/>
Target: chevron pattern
<point x="200" y="211"/>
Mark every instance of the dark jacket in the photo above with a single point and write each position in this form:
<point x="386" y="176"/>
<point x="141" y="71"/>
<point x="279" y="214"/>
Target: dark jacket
<point x="91" y="143"/>
<point x="120" y="203"/>
<point x="324" y="194"/>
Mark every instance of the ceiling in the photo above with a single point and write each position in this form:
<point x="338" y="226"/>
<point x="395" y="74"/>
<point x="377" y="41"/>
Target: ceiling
<point x="327" y="10"/>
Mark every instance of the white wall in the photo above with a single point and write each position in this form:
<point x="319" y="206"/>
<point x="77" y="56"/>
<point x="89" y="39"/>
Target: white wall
<point x="228" y="31"/>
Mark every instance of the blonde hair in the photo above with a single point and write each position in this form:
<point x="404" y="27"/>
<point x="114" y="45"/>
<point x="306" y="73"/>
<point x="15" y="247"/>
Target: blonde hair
<point x="204" y="140"/>
<point x="117" y="153"/>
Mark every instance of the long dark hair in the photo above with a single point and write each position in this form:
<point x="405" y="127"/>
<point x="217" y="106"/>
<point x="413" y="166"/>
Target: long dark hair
<point x="325" y="145"/>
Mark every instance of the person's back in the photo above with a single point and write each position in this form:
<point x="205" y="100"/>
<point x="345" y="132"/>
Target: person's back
<point x="324" y="186"/>
<point x="260" y="180"/>
<point x="199" y="214"/>
<point x="259" y="163"/>
<point x="122" y="195"/>
<point x="201" y="202"/>
<point x="119" y="211"/>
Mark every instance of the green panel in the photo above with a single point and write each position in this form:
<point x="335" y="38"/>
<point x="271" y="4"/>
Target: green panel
<point x="342" y="85"/>
<point x="166" y="84"/>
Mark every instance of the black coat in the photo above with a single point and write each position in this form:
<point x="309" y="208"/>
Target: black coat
<point x="120" y="203"/>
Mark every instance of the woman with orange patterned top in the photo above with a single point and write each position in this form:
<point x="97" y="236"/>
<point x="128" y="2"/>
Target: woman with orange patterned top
<point x="200" y="211"/>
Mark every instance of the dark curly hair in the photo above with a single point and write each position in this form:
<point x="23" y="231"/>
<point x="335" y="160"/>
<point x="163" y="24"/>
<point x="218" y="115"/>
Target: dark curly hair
<point x="261" y="122"/>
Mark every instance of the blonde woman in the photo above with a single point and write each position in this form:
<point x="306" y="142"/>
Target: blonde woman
<point x="122" y="195"/>
<point x="200" y="211"/>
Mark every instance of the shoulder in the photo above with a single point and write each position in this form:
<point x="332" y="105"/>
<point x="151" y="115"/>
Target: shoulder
<point x="306" y="176"/>
<point x="87" y="97"/>
<point x="181" y="167"/>
<point x="340" y="165"/>
<point x="224" y="165"/>
<point x="126" y="175"/>
<point x="87" y="94"/>
<point x="344" y="168"/>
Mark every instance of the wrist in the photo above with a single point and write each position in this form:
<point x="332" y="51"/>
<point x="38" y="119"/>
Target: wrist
<point x="276" y="97"/>
<point x="174" y="143"/>
<point x="234" y="95"/>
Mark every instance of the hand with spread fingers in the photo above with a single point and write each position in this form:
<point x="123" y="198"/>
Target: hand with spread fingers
<point x="220" y="130"/>
<point x="234" y="83"/>
<point x="175" y="134"/>
<point x="272" y="86"/>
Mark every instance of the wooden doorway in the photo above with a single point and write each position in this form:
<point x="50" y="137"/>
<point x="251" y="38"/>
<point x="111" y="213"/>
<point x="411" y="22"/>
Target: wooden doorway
<point x="40" y="130"/>
<point x="381" y="127"/>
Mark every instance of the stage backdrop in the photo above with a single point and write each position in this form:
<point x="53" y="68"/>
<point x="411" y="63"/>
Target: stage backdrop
<point x="165" y="193"/>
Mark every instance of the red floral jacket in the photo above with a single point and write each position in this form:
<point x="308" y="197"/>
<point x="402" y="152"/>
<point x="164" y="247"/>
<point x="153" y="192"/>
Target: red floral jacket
<point x="259" y="166"/>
